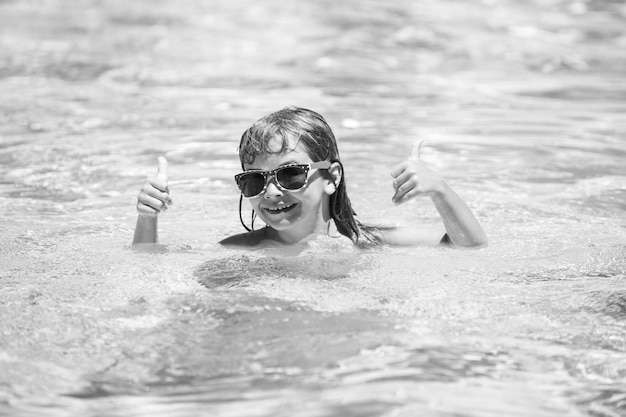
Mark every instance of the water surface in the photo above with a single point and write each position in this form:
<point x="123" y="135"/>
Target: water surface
<point x="522" y="107"/>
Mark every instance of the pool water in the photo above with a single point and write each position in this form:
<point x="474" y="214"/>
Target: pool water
<point x="523" y="109"/>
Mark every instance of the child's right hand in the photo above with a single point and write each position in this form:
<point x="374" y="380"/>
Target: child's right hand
<point x="155" y="194"/>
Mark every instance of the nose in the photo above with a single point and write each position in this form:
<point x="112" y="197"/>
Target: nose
<point x="272" y="191"/>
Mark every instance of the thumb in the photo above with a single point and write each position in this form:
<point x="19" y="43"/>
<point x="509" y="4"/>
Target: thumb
<point x="162" y="172"/>
<point x="416" y="150"/>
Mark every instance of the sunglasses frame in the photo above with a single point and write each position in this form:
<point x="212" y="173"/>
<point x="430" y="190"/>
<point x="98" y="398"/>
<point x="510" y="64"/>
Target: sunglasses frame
<point x="272" y="174"/>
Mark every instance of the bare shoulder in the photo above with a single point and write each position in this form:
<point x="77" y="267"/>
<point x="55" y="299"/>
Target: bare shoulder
<point x="246" y="239"/>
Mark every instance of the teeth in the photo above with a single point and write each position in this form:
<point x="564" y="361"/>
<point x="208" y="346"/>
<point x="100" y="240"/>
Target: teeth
<point x="279" y="208"/>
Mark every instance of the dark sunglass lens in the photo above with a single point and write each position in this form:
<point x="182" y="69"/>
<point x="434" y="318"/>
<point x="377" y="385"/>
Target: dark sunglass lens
<point x="291" y="178"/>
<point x="251" y="184"/>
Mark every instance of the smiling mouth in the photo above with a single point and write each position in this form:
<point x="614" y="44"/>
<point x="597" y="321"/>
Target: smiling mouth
<point x="281" y="209"/>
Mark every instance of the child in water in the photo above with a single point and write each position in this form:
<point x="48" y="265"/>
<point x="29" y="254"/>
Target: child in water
<point x="294" y="180"/>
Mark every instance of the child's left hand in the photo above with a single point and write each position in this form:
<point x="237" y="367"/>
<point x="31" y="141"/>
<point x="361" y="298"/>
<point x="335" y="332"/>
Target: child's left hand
<point x="413" y="178"/>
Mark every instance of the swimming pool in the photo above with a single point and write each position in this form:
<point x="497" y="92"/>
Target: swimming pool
<point x="523" y="110"/>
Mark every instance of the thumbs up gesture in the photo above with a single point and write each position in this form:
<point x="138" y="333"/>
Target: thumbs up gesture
<point x="413" y="178"/>
<point x="155" y="194"/>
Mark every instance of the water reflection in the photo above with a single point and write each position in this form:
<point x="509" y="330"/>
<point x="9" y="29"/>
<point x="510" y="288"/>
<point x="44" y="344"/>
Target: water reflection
<point x="245" y="270"/>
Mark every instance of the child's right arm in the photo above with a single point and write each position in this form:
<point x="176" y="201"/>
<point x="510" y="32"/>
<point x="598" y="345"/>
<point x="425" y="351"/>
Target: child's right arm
<point x="153" y="198"/>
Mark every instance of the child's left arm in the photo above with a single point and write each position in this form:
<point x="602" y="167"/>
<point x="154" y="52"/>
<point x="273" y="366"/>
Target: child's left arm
<point x="412" y="178"/>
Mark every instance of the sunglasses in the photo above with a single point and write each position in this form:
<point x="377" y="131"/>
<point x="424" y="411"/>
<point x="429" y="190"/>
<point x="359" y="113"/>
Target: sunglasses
<point x="287" y="178"/>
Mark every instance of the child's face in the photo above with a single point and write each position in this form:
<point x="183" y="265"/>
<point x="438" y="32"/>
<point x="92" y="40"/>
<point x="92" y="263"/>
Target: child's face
<point x="293" y="214"/>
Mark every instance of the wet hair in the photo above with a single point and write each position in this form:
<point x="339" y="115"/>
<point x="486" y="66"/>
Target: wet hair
<point x="293" y="125"/>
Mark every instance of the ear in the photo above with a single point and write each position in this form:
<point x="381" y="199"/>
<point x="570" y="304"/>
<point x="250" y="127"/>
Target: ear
<point x="336" y="176"/>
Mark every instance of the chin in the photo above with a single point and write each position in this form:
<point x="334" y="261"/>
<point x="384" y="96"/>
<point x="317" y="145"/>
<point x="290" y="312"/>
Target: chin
<point x="282" y="221"/>
<point x="280" y="225"/>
